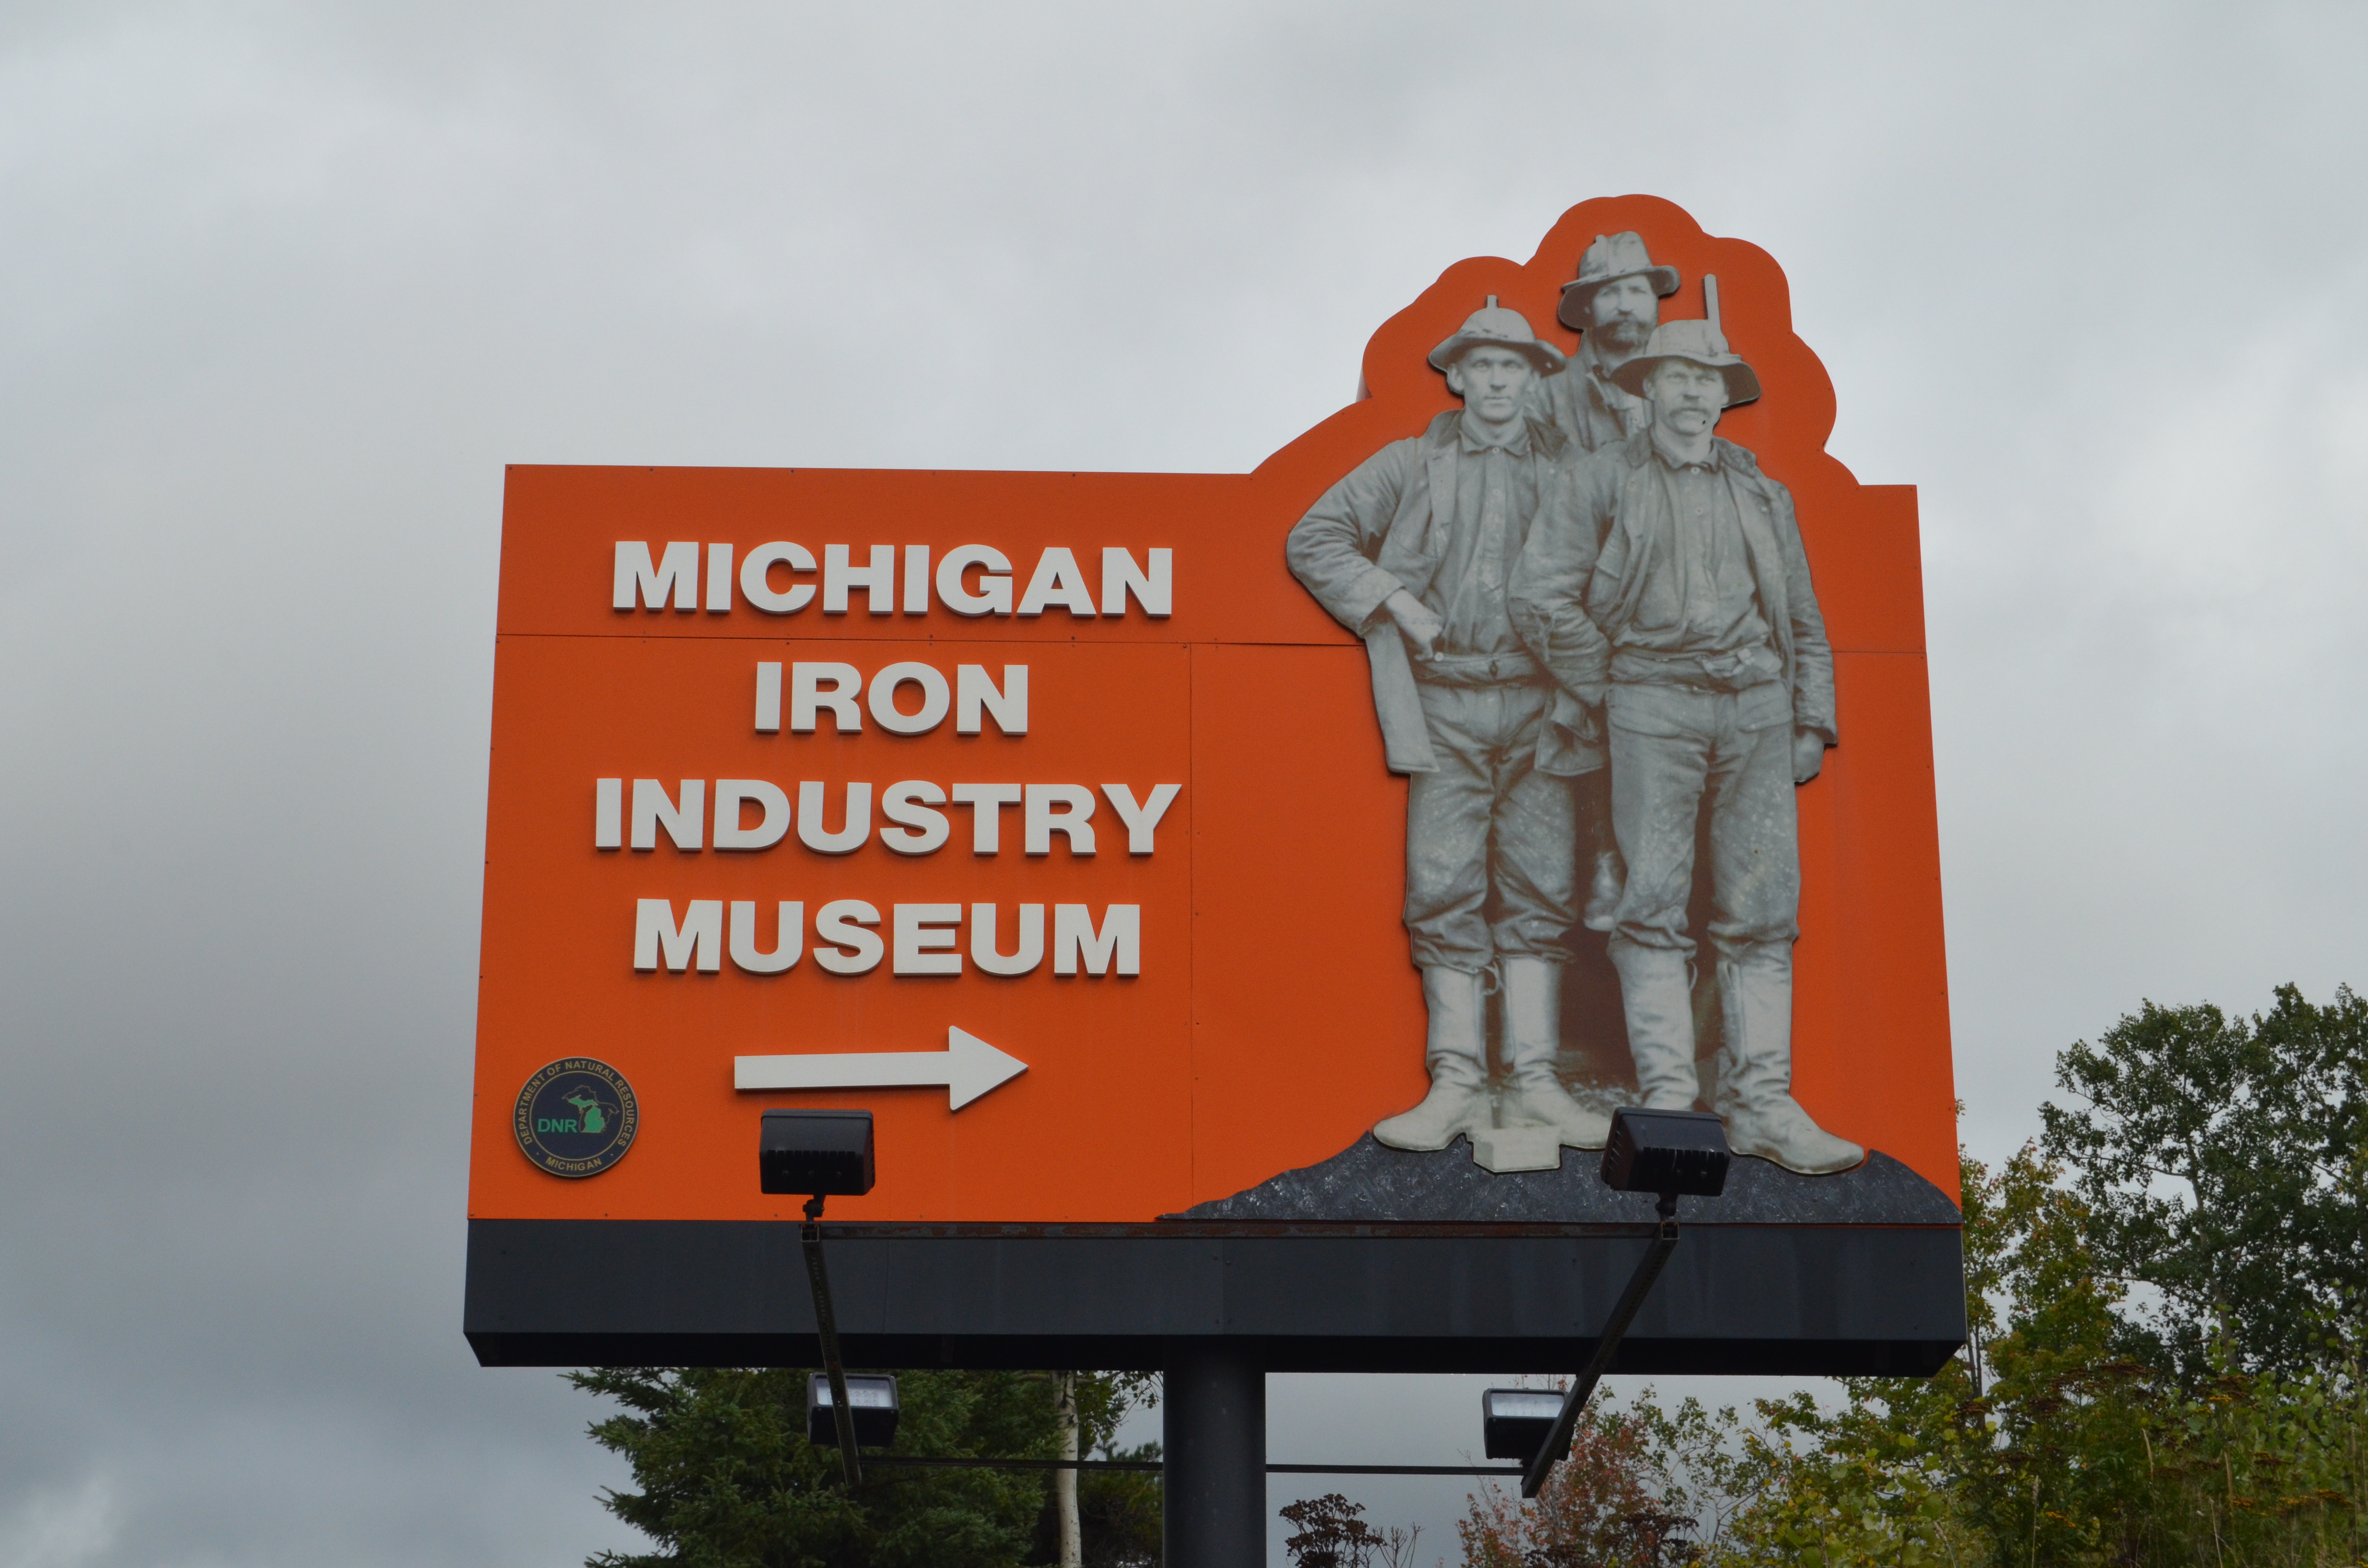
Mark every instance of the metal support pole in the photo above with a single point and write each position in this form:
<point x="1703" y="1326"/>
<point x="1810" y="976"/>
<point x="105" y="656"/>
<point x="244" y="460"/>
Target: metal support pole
<point x="1639" y="1284"/>
<point x="1213" y="1400"/>
<point x="826" y="1327"/>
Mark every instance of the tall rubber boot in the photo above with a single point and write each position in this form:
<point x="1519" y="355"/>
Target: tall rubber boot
<point x="1657" y="997"/>
<point x="1456" y="1054"/>
<point x="1532" y="1039"/>
<point x="1754" y="1070"/>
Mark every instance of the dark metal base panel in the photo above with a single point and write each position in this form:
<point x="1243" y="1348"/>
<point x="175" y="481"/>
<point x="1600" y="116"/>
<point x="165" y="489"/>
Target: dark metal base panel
<point x="1809" y="1300"/>
<point x="1368" y="1183"/>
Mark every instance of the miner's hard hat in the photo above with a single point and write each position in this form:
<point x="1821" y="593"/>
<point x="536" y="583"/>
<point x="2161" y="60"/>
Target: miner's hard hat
<point x="1611" y="257"/>
<point x="1697" y="343"/>
<point x="1498" y="326"/>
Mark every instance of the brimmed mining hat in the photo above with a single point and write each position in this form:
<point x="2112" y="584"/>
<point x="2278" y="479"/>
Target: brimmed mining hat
<point x="1612" y="257"/>
<point x="1697" y="343"/>
<point x="1498" y="326"/>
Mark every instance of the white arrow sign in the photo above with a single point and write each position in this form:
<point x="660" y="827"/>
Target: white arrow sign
<point x="968" y="1067"/>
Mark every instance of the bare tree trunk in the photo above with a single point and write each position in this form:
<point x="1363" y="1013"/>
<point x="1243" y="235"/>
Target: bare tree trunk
<point x="1064" y="1482"/>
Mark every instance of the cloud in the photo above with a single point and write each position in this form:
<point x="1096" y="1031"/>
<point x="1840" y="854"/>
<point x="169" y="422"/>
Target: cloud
<point x="288" y="287"/>
<point x="61" y="1530"/>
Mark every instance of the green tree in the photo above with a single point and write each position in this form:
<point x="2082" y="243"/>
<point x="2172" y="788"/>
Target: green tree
<point x="2052" y="1447"/>
<point x="1899" y="1472"/>
<point x="2215" y="1176"/>
<point x="2224" y="1162"/>
<point x="1119" y="1510"/>
<point x="726" y="1478"/>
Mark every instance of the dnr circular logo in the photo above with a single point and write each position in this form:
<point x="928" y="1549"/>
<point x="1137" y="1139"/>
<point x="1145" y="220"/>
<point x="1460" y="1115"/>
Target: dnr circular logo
<point x="577" y="1117"/>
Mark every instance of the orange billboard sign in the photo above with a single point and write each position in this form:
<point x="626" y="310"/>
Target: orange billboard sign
<point x="1125" y="842"/>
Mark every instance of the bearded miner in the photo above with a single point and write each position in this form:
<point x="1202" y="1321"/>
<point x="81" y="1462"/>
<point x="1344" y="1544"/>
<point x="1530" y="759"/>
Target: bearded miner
<point x="1720" y="690"/>
<point x="1614" y="303"/>
<point x="1413" y="552"/>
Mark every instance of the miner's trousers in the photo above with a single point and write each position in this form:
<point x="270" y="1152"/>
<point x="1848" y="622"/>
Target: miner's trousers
<point x="1491" y="841"/>
<point x="1674" y="747"/>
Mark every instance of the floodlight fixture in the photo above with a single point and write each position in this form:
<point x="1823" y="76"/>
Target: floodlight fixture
<point x="822" y="1153"/>
<point x="1514" y="1423"/>
<point x="1671" y="1154"/>
<point x="816" y="1152"/>
<point x="871" y="1401"/>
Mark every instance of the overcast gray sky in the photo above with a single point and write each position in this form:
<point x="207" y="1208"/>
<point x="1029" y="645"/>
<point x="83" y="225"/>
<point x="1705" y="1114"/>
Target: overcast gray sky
<point x="286" y="286"/>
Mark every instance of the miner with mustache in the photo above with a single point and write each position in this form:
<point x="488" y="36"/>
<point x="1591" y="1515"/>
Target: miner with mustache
<point x="1614" y="303"/>
<point x="1695" y="625"/>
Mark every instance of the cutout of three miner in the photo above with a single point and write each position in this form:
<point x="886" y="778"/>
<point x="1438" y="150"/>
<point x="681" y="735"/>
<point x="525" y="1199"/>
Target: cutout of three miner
<point x="1540" y="597"/>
